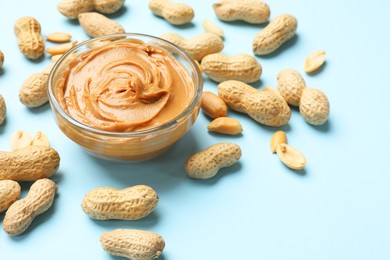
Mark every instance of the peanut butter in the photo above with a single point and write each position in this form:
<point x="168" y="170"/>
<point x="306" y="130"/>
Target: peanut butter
<point x="125" y="86"/>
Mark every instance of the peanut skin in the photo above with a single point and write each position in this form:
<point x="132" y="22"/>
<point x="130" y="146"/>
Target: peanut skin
<point x="277" y="32"/>
<point x="207" y="163"/>
<point x="174" y="13"/>
<point x="29" y="164"/>
<point x="128" y="204"/>
<point x="250" y="11"/>
<point x="197" y="47"/>
<point x="133" y="244"/>
<point x="28" y="31"/>
<point x="212" y="105"/>
<point x="266" y="107"/>
<point x="21" y="214"/>
<point x="242" y="67"/>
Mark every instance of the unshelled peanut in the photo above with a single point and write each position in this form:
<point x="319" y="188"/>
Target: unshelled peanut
<point x="95" y="24"/>
<point x="291" y="157"/>
<point x="128" y="204"/>
<point x="1" y="59"/>
<point x="314" y="106"/>
<point x="206" y="164"/>
<point x="3" y="110"/>
<point x="175" y="13"/>
<point x="225" y="125"/>
<point x="314" y="61"/>
<point x="291" y="85"/>
<point x="20" y="214"/>
<point x="212" y="105"/>
<point x="28" y="31"/>
<point x="72" y="8"/>
<point x="33" y="92"/>
<point x="29" y="164"/>
<point x="197" y="47"/>
<point x="133" y="244"/>
<point x="278" y="31"/>
<point x="220" y="67"/>
<point x="265" y="107"/>
<point x="250" y="11"/>
<point x="9" y="193"/>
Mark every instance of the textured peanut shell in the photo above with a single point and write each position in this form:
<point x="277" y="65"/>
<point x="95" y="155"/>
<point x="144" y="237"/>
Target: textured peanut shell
<point x="9" y="193"/>
<point x="198" y="46"/>
<point x="133" y="244"/>
<point x="28" y="31"/>
<point x="220" y="67"/>
<point x="266" y="107"/>
<point x="29" y="164"/>
<point x="128" y="204"/>
<point x="314" y="106"/>
<point x="95" y="24"/>
<point x="108" y="6"/>
<point x="72" y="8"/>
<point x="33" y="92"/>
<point x="212" y="105"/>
<point x="291" y="85"/>
<point x="206" y="164"/>
<point x="3" y="110"/>
<point x="174" y="13"/>
<point x="277" y="32"/>
<point x="21" y="213"/>
<point x="1" y="59"/>
<point x="250" y="11"/>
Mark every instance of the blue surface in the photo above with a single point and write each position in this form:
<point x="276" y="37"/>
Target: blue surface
<point x="337" y="208"/>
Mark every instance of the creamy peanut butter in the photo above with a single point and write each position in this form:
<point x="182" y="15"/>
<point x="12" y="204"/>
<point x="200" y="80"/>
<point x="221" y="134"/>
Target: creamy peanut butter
<point x="124" y="86"/>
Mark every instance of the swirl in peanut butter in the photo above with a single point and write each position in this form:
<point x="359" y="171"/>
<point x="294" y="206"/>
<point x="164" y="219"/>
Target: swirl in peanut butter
<point x="125" y="86"/>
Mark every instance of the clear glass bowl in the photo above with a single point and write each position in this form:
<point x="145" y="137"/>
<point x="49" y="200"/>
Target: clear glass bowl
<point x="129" y="146"/>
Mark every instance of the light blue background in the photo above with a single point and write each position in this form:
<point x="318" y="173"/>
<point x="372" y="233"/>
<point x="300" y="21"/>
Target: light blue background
<point x="337" y="208"/>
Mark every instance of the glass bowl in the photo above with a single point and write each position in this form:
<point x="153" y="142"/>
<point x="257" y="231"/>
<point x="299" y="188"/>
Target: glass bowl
<point x="137" y="145"/>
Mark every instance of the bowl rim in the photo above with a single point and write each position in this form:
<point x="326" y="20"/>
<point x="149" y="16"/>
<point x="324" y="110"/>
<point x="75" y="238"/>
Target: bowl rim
<point x="198" y="85"/>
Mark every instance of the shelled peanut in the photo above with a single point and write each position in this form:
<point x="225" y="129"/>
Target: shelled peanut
<point x="21" y="213"/>
<point x="173" y="12"/>
<point x="206" y="164"/>
<point x="250" y="11"/>
<point x="133" y="244"/>
<point x="289" y="155"/>
<point x="220" y="67"/>
<point x="212" y="105"/>
<point x="225" y="125"/>
<point x="314" y="61"/>
<point x="71" y="8"/>
<point x="266" y="107"/>
<point x="128" y="204"/>
<point x="28" y="31"/>
<point x="198" y="46"/>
